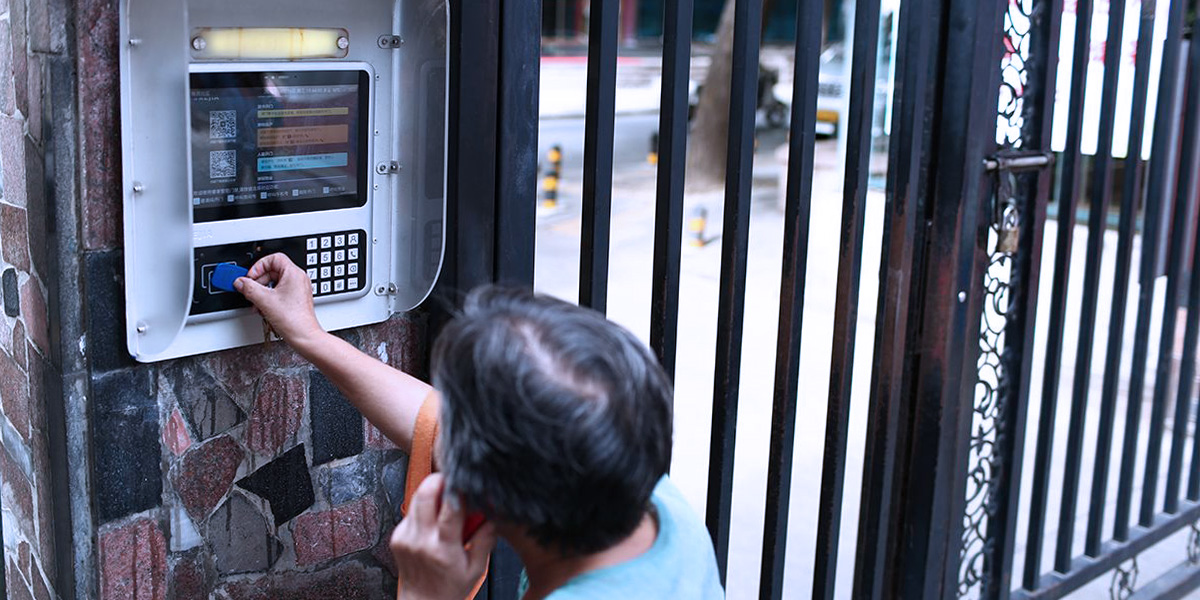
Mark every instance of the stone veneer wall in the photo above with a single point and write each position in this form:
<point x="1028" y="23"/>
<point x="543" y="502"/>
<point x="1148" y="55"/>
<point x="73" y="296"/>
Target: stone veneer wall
<point x="240" y="474"/>
<point x="31" y="41"/>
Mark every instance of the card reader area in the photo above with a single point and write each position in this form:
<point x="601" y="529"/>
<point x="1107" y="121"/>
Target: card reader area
<point x="335" y="262"/>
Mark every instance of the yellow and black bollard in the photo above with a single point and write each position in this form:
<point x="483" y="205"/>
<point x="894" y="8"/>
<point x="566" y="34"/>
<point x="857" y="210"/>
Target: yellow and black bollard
<point x="550" y="182"/>
<point x="652" y="158"/>
<point x="695" y="226"/>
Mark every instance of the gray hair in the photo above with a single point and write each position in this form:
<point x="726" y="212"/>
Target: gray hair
<point x="553" y="418"/>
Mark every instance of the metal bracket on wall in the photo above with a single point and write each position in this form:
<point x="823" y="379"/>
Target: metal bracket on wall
<point x="390" y="167"/>
<point x="390" y="41"/>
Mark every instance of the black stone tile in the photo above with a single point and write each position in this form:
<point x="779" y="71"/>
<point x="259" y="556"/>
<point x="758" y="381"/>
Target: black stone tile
<point x="125" y="443"/>
<point x="348" y="482"/>
<point x="240" y="537"/>
<point x="208" y="408"/>
<point x="12" y="295"/>
<point x="37" y="204"/>
<point x="285" y="483"/>
<point x="395" y="474"/>
<point x="337" y="427"/>
<point x="104" y="303"/>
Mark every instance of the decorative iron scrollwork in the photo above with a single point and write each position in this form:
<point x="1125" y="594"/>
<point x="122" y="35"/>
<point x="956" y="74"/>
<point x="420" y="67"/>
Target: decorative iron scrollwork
<point x="1014" y="74"/>
<point x="1193" y="544"/>
<point x="987" y="426"/>
<point x="1124" y="581"/>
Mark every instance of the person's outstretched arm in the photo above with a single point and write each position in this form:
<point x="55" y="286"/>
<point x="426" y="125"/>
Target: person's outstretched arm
<point x="388" y="398"/>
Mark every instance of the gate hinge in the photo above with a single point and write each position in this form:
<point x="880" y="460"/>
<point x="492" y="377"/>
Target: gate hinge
<point x="1019" y="161"/>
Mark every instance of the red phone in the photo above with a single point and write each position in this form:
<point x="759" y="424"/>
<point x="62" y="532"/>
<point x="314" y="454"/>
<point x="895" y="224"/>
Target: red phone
<point x="471" y="524"/>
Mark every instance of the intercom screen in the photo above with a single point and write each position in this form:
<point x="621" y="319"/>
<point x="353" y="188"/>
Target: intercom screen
<point x="270" y="143"/>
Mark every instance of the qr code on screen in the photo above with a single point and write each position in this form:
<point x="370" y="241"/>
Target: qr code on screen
<point x="222" y="164"/>
<point x="222" y="124"/>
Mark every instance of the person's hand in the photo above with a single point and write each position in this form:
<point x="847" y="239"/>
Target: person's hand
<point x="428" y="547"/>
<point x="288" y="306"/>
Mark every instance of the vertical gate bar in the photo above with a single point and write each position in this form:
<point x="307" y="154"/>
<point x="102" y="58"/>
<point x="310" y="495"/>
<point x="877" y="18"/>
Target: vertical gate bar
<point x="898" y="277"/>
<point x="1186" y="380"/>
<point x="668" y="218"/>
<point x="854" y="199"/>
<point x="1130" y="194"/>
<point x="1068" y="197"/>
<point x="1179" y="245"/>
<point x="1156" y="197"/>
<point x="797" y="211"/>
<point x="1097" y="219"/>
<point x="1017" y="360"/>
<point x="1166" y="349"/>
<point x="1183" y="194"/>
<point x="950" y="303"/>
<point x="598" y="154"/>
<point x="731" y="305"/>
<point x="471" y="142"/>
<point x="516" y="166"/>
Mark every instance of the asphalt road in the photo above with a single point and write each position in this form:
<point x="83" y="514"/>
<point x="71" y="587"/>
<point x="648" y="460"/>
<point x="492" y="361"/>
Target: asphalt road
<point x="631" y="142"/>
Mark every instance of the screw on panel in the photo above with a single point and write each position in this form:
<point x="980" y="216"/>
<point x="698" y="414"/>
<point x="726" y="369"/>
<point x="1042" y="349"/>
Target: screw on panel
<point x="198" y="44"/>
<point x="343" y="42"/>
<point x="135" y="42"/>
<point x="138" y="187"/>
<point x="142" y="327"/>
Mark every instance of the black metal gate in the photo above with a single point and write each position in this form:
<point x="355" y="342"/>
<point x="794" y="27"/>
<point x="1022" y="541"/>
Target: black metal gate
<point x="957" y="345"/>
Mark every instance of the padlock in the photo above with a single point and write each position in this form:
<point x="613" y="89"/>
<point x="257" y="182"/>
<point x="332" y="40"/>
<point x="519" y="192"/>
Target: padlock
<point x="1010" y="229"/>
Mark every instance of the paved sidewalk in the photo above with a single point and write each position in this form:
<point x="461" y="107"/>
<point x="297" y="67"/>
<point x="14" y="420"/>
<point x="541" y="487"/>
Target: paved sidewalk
<point x="563" y="91"/>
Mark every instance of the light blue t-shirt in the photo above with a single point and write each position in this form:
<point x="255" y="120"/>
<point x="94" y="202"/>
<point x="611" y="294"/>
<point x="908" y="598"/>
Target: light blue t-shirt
<point x="680" y="564"/>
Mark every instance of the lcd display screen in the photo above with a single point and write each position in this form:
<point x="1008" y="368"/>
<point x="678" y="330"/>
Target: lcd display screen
<point x="271" y="143"/>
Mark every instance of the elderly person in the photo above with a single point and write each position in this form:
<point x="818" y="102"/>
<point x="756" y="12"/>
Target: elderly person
<point x="555" y="425"/>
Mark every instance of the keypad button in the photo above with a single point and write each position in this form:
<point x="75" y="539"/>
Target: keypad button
<point x="324" y="272"/>
<point x="352" y="268"/>
<point x="339" y="240"/>
<point x="339" y="255"/>
<point x="314" y="288"/>
<point x="326" y="257"/>
<point x="311" y="244"/>
<point x="352" y="283"/>
<point x="352" y="239"/>
<point x="339" y="285"/>
<point x="339" y="270"/>
<point x="352" y="253"/>
<point x="312" y="259"/>
<point x="312" y="273"/>
<point x="326" y="242"/>
<point x="324" y="287"/>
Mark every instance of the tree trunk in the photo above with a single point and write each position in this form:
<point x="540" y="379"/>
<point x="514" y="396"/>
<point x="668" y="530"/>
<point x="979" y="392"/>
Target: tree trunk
<point x="709" y="139"/>
<point x="710" y="131"/>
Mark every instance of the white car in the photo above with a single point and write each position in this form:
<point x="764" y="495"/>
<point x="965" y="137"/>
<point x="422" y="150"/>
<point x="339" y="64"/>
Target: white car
<point x="831" y="91"/>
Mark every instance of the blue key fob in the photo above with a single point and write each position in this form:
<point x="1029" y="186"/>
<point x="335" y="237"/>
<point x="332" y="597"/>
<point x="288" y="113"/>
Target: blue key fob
<point x="225" y="274"/>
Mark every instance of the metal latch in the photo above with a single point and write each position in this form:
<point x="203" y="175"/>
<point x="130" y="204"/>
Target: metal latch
<point x="1007" y="217"/>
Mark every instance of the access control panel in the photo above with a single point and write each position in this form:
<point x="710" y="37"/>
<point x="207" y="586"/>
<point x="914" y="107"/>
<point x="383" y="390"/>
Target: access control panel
<point x="335" y="263"/>
<point x="313" y="129"/>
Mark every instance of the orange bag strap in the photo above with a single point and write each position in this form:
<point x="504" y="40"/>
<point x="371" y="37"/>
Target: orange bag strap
<point x="420" y="464"/>
<point x="420" y="460"/>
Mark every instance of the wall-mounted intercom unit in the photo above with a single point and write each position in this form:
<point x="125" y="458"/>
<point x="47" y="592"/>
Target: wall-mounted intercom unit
<point x="307" y="127"/>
